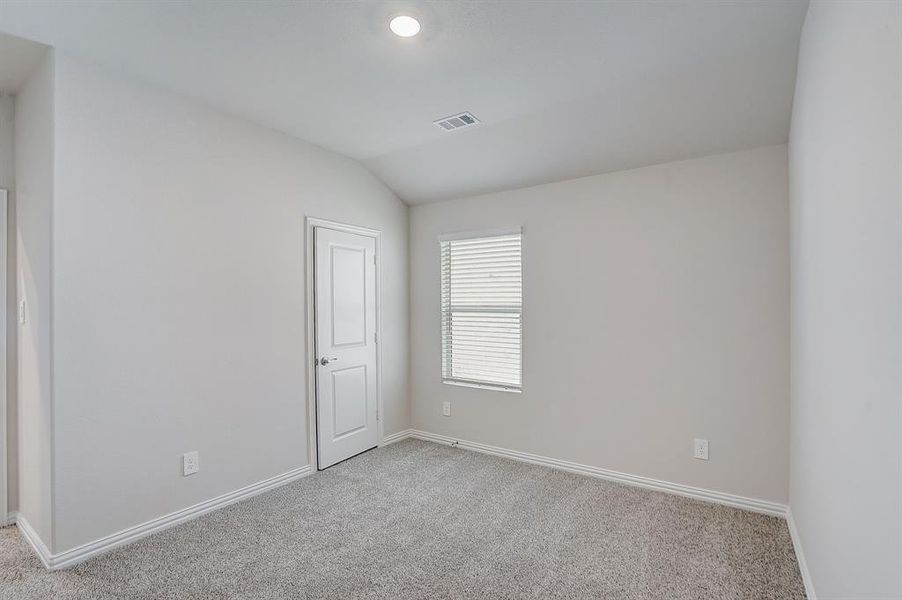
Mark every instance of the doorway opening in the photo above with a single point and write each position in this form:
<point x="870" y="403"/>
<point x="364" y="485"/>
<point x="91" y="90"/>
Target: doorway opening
<point x="344" y="324"/>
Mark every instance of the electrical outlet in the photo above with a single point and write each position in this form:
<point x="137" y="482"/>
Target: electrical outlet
<point x="22" y="312"/>
<point x="446" y="409"/>
<point x="190" y="463"/>
<point x="701" y="449"/>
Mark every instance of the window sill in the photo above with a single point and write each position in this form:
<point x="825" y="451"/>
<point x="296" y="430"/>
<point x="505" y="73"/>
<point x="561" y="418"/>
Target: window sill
<point x="483" y="386"/>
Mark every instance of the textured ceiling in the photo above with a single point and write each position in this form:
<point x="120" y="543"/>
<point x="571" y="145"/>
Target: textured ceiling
<point x="563" y="89"/>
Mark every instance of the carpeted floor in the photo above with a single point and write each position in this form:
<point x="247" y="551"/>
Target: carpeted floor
<point x="422" y="520"/>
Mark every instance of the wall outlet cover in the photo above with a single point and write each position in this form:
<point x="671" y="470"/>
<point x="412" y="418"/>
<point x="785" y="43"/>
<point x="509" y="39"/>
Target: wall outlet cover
<point x="190" y="463"/>
<point x="701" y="449"/>
<point x="446" y="408"/>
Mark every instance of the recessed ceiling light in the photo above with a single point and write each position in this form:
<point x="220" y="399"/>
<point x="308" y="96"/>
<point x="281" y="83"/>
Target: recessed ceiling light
<point x="405" y="26"/>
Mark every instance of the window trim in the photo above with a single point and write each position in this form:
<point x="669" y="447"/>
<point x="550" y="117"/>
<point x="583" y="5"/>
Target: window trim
<point x="481" y="233"/>
<point x="468" y="383"/>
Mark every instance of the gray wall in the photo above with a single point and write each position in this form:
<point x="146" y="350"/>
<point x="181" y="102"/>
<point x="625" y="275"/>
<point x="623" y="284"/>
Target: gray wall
<point x="179" y="306"/>
<point x="34" y="187"/>
<point x="846" y="197"/>
<point x="656" y="310"/>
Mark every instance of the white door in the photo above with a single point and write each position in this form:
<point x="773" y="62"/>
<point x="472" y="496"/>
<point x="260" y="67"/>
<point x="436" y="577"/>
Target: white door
<point x="345" y="319"/>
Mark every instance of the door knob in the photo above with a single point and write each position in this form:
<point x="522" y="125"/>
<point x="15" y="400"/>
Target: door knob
<point x="325" y="361"/>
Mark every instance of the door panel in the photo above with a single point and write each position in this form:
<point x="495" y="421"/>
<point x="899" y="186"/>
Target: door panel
<point x="349" y="415"/>
<point x="348" y="296"/>
<point x="345" y="319"/>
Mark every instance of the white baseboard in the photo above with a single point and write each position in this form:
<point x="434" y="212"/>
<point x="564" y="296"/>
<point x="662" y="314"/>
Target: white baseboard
<point x="751" y="504"/>
<point x="126" y="536"/>
<point x="34" y="540"/>
<point x="396" y="437"/>
<point x="800" y="556"/>
<point x="10" y="519"/>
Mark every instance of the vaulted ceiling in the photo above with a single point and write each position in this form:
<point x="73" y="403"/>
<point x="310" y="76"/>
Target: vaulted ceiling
<point x="563" y="89"/>
<point x="17" y="59"/>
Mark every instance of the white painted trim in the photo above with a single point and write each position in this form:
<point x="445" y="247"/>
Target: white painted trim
<point x="34" y="540"/>
<point x="467" y="235"/>
<point x="310" y="223"/>
<point x="132" y="534"/>
<point x="800" y="556"/>
<point x="4" y="367"/>
<point x="10" y="519"/>
<point x="396" y="437"/>
<point x="126" y="536"/>
<point x="486" y="386"/>
<point x="751" y="504"/>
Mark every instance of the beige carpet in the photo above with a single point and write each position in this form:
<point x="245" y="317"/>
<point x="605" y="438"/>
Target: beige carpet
<point x="422" y="520"/>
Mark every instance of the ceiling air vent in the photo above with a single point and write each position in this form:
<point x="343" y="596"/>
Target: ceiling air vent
<point x="460" y="121"/>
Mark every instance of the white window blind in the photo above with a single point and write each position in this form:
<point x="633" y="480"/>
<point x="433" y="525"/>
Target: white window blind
<point x="482" y="296"/>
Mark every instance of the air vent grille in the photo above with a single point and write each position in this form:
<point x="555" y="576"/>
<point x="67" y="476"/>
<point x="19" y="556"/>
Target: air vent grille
<point x="460" y="121"/>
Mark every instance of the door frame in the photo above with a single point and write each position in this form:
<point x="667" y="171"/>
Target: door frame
<point x="310" y="224"/>
<point x="5" y="516"/>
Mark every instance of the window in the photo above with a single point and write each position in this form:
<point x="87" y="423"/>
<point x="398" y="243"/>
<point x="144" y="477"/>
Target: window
<point x="481" y="311"/>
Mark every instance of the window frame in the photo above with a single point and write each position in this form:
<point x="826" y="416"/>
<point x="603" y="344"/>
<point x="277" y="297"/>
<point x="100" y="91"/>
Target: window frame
<point x="461" y="382"/>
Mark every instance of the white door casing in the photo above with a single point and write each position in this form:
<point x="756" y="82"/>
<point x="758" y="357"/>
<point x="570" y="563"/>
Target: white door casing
<point x="345" y="316"/>
<point x="4" y="368"/>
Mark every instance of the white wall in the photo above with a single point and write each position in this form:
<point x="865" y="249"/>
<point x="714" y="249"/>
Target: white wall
<point x="656" y="307"/>
<point x="846" y="197"/>
<point x="179" y="316"/>
<point x="34" y="147"/>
